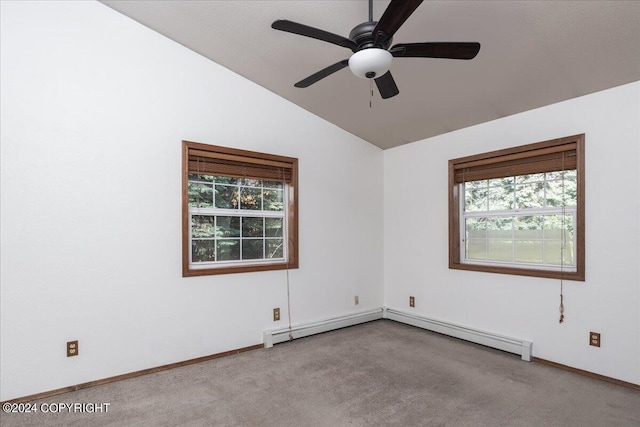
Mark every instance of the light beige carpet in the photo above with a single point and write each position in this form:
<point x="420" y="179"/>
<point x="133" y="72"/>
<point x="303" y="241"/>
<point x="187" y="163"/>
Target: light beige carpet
<point x="378" y="374"/>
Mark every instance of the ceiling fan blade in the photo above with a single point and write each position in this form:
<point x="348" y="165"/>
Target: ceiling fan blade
<point x="387" y="86"/>
<point x="392" y="19"/>
<point x="314" y="33"/>
<point x="454" y="50"/>
<point x="322" y="74"/>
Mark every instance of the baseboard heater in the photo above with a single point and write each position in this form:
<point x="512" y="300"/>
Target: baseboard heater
<point x="275" y="336"/>
<point x="489" y="339"/>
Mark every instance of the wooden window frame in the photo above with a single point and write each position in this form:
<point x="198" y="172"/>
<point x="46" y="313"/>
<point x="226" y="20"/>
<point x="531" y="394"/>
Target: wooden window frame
<point x="516" y="158"/>
<point x="251" y="164"/>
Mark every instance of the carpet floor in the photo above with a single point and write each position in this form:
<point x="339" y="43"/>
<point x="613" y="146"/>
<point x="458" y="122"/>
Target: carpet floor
<point x="381" y="373"/>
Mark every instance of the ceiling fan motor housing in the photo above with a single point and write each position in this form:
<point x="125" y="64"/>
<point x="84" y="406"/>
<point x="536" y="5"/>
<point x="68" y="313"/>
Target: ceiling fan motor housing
<point x="362" y="34"/>
<point x="370" y="61"/>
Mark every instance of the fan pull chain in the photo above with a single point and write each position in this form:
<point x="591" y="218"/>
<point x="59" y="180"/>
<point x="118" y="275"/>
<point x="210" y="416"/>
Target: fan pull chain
<point x="370" y="91"/>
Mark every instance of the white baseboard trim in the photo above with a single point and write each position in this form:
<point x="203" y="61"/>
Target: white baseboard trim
<point x="512" y="345"/>
<point x="275" y="336"/>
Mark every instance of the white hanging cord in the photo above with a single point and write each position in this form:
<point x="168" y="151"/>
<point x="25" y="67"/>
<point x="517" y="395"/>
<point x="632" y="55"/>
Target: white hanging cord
<point x="562" y="245"/>
<point x="284" y="224"/>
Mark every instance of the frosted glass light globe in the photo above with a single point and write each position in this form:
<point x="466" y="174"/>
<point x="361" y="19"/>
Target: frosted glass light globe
<point x="370" y="63"/>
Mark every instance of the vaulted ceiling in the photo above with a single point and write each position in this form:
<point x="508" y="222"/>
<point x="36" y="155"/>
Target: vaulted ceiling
<point x="533" y="53"/>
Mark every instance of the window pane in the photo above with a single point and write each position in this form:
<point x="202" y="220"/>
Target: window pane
<point x="196" y="177"/>
<point x="252" y="248"/>
<point x="530" y="195"/>
<point x="226" y="180"/>
<point x="530" y="178"/>
<point x="570" y="192"/>
<point x="500" y="198"/>
<point x="559" y="196"/>
<point x="226" y="197"/>
<point x="476" y="200"/>
<point x="252" y="227"/>
<point x="273" y="227"/>
<point x="275" y="248"/>
<point x="476" y="248"/>
<point x="227" y="226"/>
<point x="553" y="252"/>
<point x="554" y="196"/>
<point x="500" y="250"/>
<point x="550" y="176"/>
<point x="553" y="225"/>
<point x="528" y="251"/>
<point x="569" y="252"/>
<point x="500" y="227"/>
<point x="273" y="200"/>
<point x="203" y="250"/>
<point x="200" y="195"/>
<point x="501" y="182"/>
<point x="228" y="250"/>
<point x="202" y="226"/>
<point x="475" y="185"/>
<point x="569" y="175"/>
<point x="528" y="227"/>
<point x="250" y="198"/>
<point x="273" y="184"/>
<point x="476" y="228"/>
<point x="475" y="197"/>
<point x="250" y="182"/>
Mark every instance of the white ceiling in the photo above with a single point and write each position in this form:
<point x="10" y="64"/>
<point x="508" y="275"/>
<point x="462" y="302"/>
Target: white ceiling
<point x="533" y="53"/>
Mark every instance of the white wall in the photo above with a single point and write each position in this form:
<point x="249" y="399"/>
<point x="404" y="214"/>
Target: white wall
<point x="94" y="108"/>
<point x="416" y="237"/>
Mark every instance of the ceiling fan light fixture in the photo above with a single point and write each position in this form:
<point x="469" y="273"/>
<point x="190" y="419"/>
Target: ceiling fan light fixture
<point x="370" y="63"/>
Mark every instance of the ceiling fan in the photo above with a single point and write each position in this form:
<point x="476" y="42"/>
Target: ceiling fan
<point x="370" y="43"/>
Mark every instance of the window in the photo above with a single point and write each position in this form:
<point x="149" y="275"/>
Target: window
<point x="239" y="211"/>
<point x="519" y="210"/>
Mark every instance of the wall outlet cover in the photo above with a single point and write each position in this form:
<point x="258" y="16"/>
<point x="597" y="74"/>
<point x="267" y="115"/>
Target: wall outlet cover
<point x="72" y="348"/>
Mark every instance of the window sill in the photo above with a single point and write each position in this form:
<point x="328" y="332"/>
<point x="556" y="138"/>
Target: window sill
<point x="238" y="269"/>
<point x="549" y="274"/>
